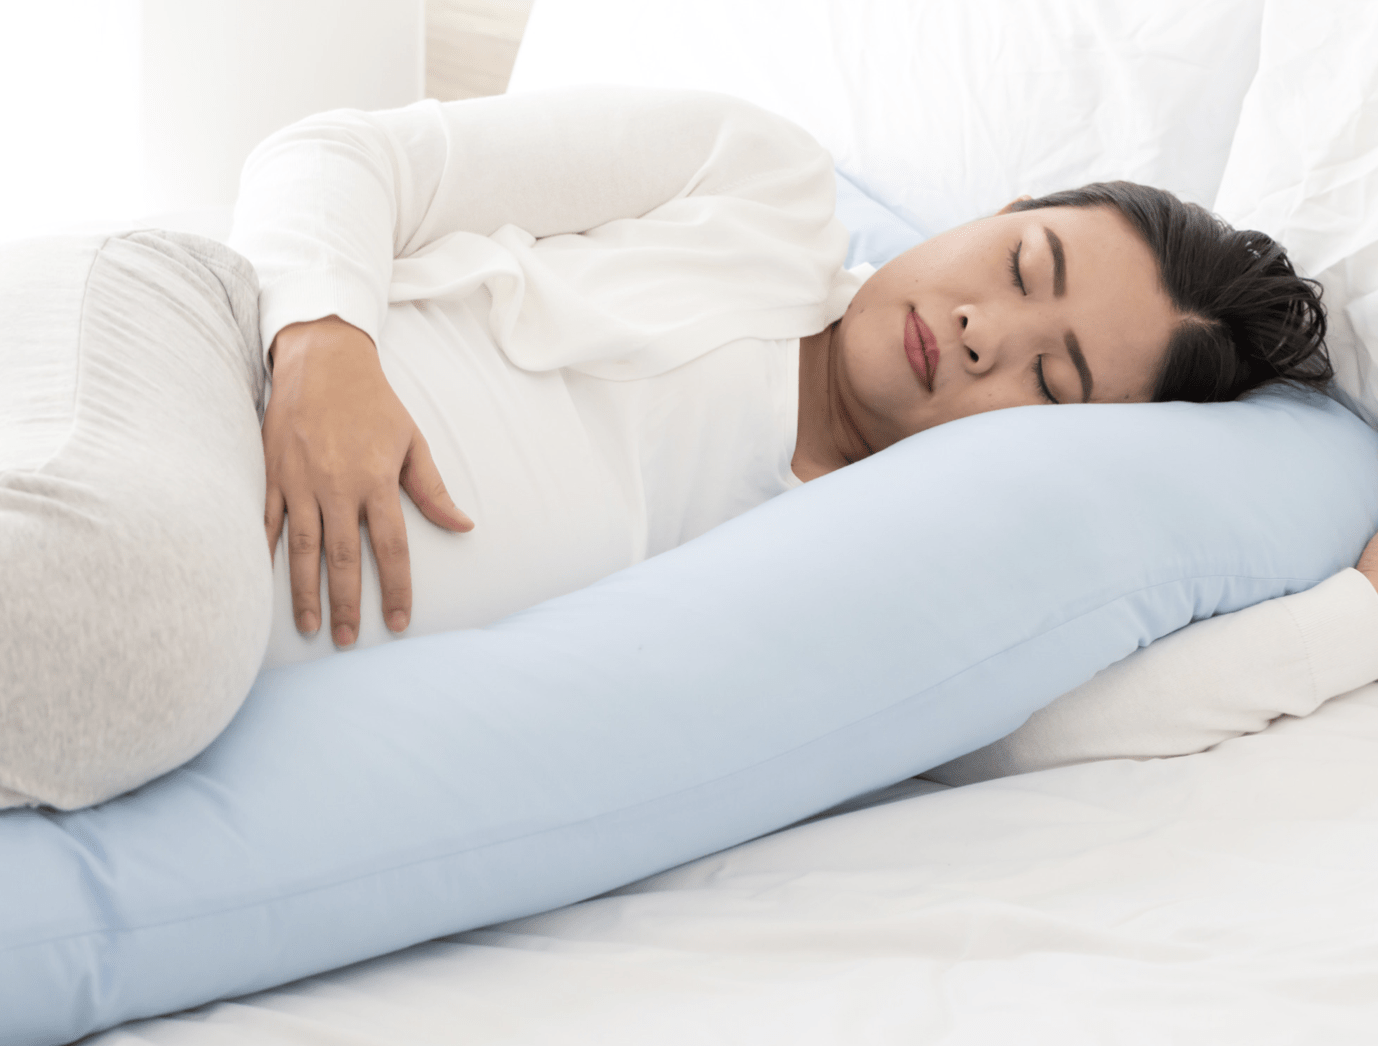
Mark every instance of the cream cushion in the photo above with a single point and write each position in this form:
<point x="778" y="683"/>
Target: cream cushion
<point x="1213" y="680"/>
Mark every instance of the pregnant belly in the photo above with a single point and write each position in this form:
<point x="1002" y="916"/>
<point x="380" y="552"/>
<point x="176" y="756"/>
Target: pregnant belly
<point x="549" y="515"/>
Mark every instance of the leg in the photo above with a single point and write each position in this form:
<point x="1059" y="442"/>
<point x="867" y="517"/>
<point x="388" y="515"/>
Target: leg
<point x="137" y="591"/>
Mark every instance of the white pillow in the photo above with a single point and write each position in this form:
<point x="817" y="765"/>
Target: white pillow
<point x="1219" y="678"/>
<point x="945" y="111"/>
<point x="1304" y="169"/>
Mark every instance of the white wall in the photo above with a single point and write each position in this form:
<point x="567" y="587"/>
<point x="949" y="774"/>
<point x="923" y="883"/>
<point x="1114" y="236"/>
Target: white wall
<point x="113" y="109"/>
<point x="69" y="89"/>
<point x="221" y="75"/>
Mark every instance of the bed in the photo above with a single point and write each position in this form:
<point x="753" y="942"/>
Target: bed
<point x="1223" y="896"/>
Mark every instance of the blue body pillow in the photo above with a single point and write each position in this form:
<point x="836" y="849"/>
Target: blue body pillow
<point x="877" y="233"/>
<point x="862" y="628"/>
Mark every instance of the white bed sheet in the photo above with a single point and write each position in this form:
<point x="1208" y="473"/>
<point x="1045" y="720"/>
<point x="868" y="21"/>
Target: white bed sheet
<point x="1226" y="897"/>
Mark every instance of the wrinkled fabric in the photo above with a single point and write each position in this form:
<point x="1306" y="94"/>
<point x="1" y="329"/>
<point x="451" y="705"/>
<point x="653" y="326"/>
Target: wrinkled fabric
<point x="943" y="111"/>
<point x="1304" y="169"/>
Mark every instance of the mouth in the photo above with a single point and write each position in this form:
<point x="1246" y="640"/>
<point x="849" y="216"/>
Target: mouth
<point x="921" y="347"/>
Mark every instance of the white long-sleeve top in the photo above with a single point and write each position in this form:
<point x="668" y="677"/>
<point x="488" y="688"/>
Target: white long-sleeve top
<point x="620" y="233"/>
<point x="590" y="303"/>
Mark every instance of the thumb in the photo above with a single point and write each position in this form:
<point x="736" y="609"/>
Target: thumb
<point x="1368" y="562"/>
<point x="421" y="480"/>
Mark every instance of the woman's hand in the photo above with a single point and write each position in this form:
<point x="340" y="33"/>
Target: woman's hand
<point x="337" y="443"/>
<point x="1368" y="562"/>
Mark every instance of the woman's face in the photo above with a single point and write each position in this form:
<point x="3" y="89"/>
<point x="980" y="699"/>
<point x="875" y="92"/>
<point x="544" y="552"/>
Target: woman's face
<point x="1055" y="305"/>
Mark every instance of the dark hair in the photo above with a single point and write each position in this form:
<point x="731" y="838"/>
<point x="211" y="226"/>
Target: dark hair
<point x="1249" y="318"/>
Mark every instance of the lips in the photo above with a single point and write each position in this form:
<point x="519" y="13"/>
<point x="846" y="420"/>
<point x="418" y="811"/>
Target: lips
<point x="921" y="347"/>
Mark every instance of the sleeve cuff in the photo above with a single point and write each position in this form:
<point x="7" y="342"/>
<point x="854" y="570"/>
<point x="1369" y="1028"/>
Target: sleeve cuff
<point x="312" y="295"/>
<point x="1338" y="624"/>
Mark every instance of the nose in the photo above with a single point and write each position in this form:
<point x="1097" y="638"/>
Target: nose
<point x="979" y="342"/>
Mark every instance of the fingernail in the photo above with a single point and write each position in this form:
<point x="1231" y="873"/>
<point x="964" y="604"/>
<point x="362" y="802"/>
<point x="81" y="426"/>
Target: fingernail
<point x="344" y="635"/>
<point x="397" y="620"/>
<point x="308" y="623"/>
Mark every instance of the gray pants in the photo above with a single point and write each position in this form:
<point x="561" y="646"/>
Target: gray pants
<point x="137" y="593"/>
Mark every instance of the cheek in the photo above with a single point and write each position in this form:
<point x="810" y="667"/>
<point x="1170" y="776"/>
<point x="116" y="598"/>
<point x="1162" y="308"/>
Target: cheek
<point x="872" y="352"/>
<point x="983" y="396"/>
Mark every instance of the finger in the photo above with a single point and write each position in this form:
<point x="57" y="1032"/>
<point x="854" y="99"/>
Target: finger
<point x="341" y="543"/>
<point x="421" y="480"/>
<point x="387" y="533"/>
<point x="304" y="564"/>
<point x="273" y="509"/>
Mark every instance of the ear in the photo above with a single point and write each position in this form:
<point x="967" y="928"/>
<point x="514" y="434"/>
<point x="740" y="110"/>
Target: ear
<point x="1010" y="206"/>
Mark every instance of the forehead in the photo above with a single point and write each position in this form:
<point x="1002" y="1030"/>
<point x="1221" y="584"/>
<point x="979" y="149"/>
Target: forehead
<point x="1115" y="303"/>
<point x="1107" y="244"/>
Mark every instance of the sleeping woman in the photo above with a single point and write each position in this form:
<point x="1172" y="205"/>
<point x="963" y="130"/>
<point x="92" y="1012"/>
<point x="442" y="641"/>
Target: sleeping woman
<point x="579" y="330"/>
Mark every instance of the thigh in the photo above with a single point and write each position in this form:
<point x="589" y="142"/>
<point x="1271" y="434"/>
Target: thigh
<point x="137" y="585"/>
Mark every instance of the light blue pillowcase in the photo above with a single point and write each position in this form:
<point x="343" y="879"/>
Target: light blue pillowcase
<point x="877" y="232"/>
<point x="860" y="629"/>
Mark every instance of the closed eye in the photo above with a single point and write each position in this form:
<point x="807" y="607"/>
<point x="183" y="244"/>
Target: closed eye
<point x="1042" y="384"/>
<point x="1016" y="277"/>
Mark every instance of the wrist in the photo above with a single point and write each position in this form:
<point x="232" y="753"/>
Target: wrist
<point x="328" y="335"/>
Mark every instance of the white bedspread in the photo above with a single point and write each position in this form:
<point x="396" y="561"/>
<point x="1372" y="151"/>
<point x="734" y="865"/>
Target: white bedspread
<point x="1225" y="897"/>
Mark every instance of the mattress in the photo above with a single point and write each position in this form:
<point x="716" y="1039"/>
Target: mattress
<point x="1230" y="896"/>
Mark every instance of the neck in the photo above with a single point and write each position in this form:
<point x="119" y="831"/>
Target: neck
<point x="827" y="438"/>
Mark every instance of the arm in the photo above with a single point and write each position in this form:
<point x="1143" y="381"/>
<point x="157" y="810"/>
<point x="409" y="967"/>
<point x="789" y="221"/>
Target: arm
<point x="1216" y="679"/>
<point x="327" y="205"/>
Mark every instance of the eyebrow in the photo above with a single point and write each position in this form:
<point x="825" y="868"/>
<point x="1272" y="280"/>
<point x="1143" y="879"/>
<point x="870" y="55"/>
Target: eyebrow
<point x="1059" y="262"/>
<point x="1083" y="371"/>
